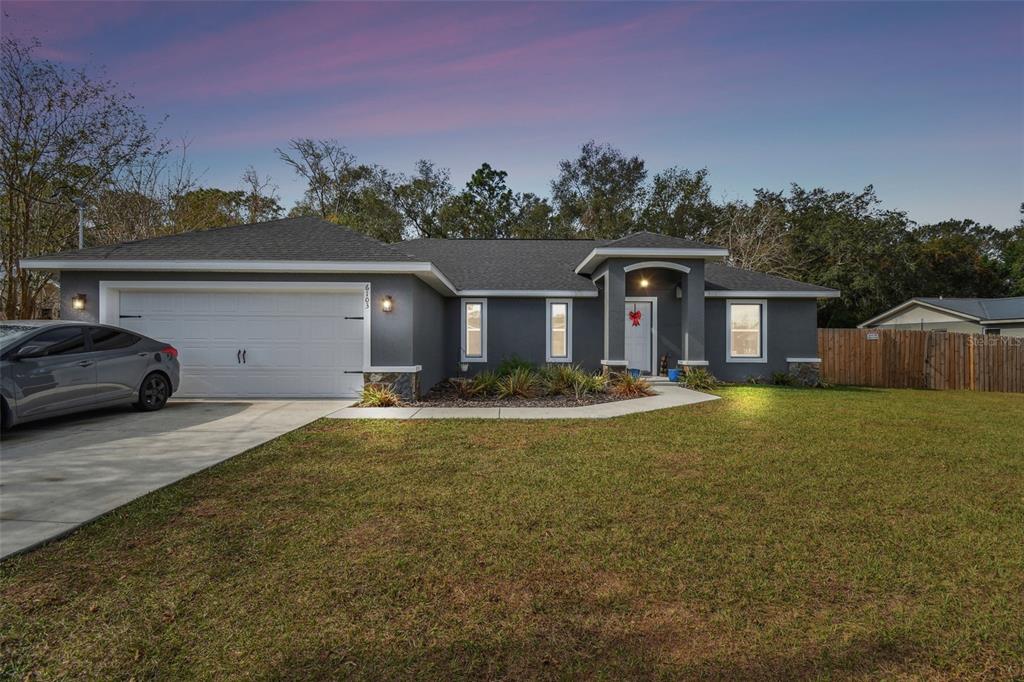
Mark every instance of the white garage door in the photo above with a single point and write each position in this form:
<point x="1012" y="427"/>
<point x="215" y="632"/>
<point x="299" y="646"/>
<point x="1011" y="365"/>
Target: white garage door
<point x="249" y="344"/>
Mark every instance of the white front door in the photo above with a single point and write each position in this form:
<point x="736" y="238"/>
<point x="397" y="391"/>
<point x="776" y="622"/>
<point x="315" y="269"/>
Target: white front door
<point x="639" y="335"/>
<point x="256" y="344"/>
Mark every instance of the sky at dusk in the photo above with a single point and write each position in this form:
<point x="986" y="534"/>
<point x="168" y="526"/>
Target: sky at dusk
<point x="923" y="100"/>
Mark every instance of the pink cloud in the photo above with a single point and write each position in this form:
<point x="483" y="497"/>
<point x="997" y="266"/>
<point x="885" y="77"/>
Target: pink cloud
<point x="59" y="26"/>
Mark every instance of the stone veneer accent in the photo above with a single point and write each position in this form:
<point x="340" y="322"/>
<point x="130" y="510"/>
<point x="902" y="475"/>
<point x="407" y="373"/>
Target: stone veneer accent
<point x="405" y="384"/>
<point x="806" y="373"/>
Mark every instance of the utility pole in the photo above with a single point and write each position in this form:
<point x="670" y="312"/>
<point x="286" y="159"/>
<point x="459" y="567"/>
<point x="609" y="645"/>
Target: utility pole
<point x="80" y="205"/>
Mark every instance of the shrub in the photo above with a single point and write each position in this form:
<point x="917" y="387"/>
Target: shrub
<point x="485" y="383"/>
<point x="699" y="379"/>
<point x="782" y="379"/>
<point x="379" y="395"/>
<point x="584" y="384"/>
<point x="625" y="385"/>
<point x="464" y="389"/>
<point x="522" y="382"/>
<point x="558" y="379"/>
<point x="512" y="363"/>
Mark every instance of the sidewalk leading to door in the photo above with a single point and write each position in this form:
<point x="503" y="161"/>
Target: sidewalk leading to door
<point x="665" y="396"/>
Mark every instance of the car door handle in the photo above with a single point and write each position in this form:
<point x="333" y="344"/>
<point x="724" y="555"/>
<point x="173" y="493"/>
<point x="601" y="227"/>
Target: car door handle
<point x="85" y="363"/>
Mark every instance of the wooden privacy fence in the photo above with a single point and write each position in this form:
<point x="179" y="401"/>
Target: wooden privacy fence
<point x="921" y="359"/>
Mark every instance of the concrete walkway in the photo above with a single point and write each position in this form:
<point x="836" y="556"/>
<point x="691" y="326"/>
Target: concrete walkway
<point x="666" y="395"/>
<point x="59" y="473"/>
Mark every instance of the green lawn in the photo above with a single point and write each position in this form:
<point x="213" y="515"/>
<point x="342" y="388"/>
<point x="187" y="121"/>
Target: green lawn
<point x="775" y="533"/>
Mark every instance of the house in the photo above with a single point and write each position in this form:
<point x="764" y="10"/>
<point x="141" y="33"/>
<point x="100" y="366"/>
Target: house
<point x="303" y="307"/>
<point x="967" y="315"/>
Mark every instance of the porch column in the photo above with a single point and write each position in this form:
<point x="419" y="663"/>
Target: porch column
<point x="693" y="317"/>
<point x="614" y="318"/>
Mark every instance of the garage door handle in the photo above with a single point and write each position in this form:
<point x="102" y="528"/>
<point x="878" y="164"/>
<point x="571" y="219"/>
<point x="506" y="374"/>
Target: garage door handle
<point x="238" y="356"/>
<point x="243" y="355"/>
<point x="85" y="363"/>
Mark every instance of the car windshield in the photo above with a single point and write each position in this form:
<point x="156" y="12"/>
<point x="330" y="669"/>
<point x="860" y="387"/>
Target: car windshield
<point x="9" y="333"/>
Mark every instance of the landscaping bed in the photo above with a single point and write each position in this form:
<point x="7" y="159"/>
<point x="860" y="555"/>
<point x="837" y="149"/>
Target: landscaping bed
<point x="449" y="395"/>
<point x="518" y="384"/>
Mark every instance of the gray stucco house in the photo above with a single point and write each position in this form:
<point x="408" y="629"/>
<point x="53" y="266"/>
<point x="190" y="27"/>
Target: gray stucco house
<point x="303" y="307"/>
<point x="997" y="316"/>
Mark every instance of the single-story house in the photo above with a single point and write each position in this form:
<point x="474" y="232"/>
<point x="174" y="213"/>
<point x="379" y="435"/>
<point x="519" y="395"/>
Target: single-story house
<point x="304" y="307"/>
<point x="1003" y="316"/>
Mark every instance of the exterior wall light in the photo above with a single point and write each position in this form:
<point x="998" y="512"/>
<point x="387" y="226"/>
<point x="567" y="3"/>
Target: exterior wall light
<point x="78" y="302"/>
<point x="644" y="282"/>
<point x="387" y="304"/>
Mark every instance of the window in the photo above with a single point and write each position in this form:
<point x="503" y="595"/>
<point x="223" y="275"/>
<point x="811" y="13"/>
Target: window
<point x="559" y="330"/>
<point x="474" y="330"/>
<point x="992" y="331"/>
<point x="745" y="329"/>
<point x="111" y="339"/>
<point x="60" y="341"/>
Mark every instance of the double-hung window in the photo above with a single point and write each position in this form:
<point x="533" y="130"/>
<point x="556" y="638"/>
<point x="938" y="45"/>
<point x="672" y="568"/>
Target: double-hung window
<point x="745" y="330"/>
<point x="474" y="330"/>
<point x="559" y="329"/>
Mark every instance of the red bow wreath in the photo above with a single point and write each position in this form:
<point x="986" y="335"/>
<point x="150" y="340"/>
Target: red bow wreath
<point x="635" y="318"/>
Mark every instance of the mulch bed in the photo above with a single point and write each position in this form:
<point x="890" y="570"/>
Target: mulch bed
<point x="446" y="397"/>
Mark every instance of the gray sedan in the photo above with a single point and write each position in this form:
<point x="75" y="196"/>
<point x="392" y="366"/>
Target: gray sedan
<point x="49" y="368"/>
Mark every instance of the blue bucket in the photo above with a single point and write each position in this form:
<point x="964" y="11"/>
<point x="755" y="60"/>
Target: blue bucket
<point x="635" y="373"/>
<point x="673" y="375"/>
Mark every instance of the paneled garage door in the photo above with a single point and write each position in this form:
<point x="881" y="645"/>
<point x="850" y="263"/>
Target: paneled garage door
<point x="256" y="344"/>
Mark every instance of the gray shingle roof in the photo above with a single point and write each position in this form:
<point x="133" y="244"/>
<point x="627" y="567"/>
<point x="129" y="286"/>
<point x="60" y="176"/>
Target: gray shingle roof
<point x="653" y="240"/>
<point x="304" y="238"/>
<point x="725" y="277"/>
<point x="981" y="308"/>
<point x="470" y="264"/>
<point x="516" y="264"/>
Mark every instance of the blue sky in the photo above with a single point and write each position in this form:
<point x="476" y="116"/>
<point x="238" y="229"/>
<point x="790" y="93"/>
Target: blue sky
<point x="923" y="100"/>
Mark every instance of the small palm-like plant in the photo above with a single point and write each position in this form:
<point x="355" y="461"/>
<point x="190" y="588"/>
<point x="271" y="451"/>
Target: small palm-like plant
<point x="558" y="379"/>
<point x="379" y="395"/>
<point x="519" y="383"/>
<point x="485" y="383"/>
<point x="584" y="384"/>
<point x="625" y="385"/>
<point x="699" y="379"/>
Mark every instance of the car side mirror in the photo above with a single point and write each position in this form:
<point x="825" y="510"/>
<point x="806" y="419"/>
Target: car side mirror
<point x="29" y="351"/>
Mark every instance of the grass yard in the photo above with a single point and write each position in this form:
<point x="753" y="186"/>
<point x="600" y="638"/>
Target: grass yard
<point x="776" y="533"/>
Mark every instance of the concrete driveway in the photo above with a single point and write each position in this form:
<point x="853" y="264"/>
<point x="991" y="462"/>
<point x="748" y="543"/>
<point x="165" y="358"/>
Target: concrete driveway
<point x="59" y="473"/>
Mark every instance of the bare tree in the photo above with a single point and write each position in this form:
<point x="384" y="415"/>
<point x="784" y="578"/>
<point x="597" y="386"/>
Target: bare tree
<point x="63" y="135"/>
<point x="261" y="201"/>
<point x="757" y="237"/>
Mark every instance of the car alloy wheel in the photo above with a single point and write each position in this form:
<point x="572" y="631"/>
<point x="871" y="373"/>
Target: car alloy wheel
<point x="155" y="392"/>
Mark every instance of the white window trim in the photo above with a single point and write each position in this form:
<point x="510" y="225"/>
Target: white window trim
<point x="483" y="331"/>
<point x="568" y="329"/>
<point x="763" y="358"/>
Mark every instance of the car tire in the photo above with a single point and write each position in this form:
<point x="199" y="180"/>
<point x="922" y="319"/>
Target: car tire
<point x="153" y="393"/>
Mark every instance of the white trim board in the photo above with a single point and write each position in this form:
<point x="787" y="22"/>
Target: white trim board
<point x="655" y="264"/>
<point x="568" y="330"/>
<point x="763" y="357"/>
<point x="653" y="300"/>
<point x="526" y="293"/>
<point x="602" y="253"/>
<point x="110" y="296"/>
<point x="803" y="359"/>
<point x="383" y="370"/>
<point x="483" y="330"/>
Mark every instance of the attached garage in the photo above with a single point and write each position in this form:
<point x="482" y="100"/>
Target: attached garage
<point x="251" y="339"/>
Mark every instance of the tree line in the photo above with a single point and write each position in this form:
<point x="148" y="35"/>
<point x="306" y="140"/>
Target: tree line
<point x="72" y="139"/>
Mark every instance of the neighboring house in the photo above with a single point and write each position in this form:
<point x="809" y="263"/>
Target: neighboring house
<point x="967" y="315"/>
<point x="303" y="307"/>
